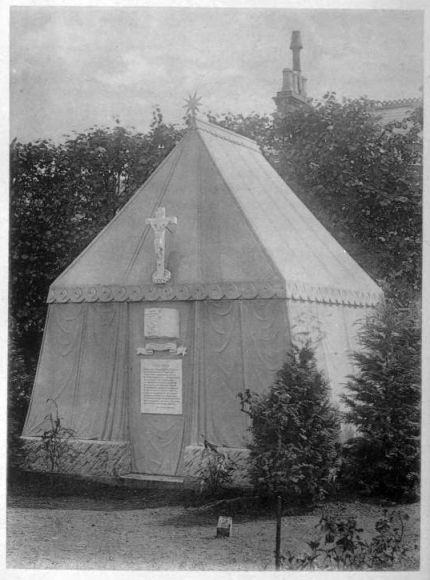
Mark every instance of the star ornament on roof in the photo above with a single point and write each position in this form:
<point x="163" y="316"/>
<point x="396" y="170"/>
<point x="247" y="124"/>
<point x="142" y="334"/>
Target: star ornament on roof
<point x="192" y="105"/>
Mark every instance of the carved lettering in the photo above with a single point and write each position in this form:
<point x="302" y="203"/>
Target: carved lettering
<point x="160" y="322"/>
<point x="161" y="386"/>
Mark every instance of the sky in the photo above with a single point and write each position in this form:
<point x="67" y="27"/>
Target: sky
<point x="75" y="67"/>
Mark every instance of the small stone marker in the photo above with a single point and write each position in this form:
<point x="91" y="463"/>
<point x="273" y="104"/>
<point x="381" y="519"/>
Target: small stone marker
<point x="224" y="526"/>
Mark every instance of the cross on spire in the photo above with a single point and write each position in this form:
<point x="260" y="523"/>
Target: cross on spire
<point x="192" y="105"/>
<point x="159" y="224"/>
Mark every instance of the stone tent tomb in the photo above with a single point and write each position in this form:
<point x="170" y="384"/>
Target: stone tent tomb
<point x="192" y="293"/>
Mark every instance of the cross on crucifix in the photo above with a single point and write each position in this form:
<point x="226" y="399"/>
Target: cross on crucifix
<point x="159" y="224"/>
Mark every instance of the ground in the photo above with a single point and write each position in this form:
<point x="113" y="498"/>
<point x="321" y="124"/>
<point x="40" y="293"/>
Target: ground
<point x="149" y="530"/>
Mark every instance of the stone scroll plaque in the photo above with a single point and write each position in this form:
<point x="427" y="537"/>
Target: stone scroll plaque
<point x="161" y="386"/>
<point x="160" y="322"/>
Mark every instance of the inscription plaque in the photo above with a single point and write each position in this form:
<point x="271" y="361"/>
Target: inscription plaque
<point x="161" y="386"/>
<point x="161" y="322"/>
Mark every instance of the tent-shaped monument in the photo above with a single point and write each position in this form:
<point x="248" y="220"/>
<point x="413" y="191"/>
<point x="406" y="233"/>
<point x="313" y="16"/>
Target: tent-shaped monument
<point x="192" y="293"/>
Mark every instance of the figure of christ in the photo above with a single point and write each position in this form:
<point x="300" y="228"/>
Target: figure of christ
<point x="159" y="224"/>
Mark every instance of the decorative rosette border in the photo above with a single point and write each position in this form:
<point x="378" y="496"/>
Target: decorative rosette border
<point x="221" y="291"/>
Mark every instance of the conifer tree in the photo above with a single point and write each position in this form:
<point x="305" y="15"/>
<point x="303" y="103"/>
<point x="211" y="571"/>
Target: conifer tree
<point x="383" y="402"/>
<point x="294" y="431"/>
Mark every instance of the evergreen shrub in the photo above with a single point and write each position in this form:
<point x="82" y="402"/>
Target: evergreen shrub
<point x="295" y="430"/>
<point x="384" y="404"/>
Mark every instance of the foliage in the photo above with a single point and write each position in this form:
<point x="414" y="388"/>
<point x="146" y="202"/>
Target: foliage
<point x="295" y="431"/>
<point x="363" y="180"/>
<point x="20" y="382"/>
<point x="260" y="128"/>
<point x="62" y="195"/>
<point x="55" y="441"/>
<point x="215" y="472"/>
<point x="342" y="547"/>
<point x="368" y="176"/>
<point x="383" y="401"/>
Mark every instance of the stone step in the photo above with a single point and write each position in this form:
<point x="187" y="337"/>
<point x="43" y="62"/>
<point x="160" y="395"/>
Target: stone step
<point x="143" y="480"/>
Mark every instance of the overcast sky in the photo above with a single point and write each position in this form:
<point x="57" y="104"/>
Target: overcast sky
<point x="72" y="68"/>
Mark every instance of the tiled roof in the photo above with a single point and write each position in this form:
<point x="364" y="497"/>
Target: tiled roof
<point x="397" y="103"/>
<point x="395" y="110"/>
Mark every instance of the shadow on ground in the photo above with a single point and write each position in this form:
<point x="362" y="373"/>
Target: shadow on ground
<point x="60" y="491"/>
<point x="65" y="492"/>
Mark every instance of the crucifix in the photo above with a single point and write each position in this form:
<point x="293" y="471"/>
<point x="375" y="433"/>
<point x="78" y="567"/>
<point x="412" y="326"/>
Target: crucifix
<point x="159" y="224"/>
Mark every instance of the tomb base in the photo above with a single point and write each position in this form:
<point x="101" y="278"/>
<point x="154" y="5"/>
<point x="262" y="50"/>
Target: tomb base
<point x="83" y="457"/>
<point x="93" y="458"/>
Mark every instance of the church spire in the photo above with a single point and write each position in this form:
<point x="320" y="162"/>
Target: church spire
<point x="296" y="46"/>
<point x="293" y="92"/>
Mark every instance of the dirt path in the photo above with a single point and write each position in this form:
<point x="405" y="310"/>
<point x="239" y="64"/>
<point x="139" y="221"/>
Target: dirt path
<point x="73" y="534"/>
<point x="160" y="538"/>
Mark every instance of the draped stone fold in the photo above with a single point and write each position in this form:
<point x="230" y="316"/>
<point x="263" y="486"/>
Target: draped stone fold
<point x="90" y="367"/>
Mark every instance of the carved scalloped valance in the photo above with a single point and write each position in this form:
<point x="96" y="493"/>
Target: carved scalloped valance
<point x="329" y="295"/>
<point x="228" y="291"/>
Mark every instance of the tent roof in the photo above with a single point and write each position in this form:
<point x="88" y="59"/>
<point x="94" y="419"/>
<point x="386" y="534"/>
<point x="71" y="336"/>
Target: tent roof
<point x="241" y="232"/>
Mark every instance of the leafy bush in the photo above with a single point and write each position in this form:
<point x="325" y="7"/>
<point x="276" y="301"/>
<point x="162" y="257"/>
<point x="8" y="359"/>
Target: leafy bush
<point x="61" y="196"/>
<point x="20" y="382"/>
<point x="363" y="175"/>
<point x="341" y="546"/>
<point x="295" y="431"/>
<point x="361" y="178"/>
<point x="56" y="440"/>
<point x="384" y="404"/>
<point x="215" y="472"/>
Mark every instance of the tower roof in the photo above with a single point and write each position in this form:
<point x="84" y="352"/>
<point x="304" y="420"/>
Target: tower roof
<point x="241" y="232"/>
